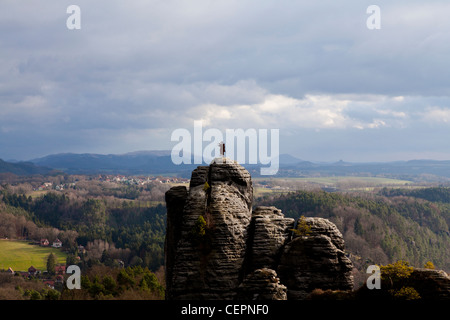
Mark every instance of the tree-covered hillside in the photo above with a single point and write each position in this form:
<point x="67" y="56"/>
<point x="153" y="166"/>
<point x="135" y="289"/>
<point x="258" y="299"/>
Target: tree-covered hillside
<point x="122" y="222"/>
<point x="130" y="231"/>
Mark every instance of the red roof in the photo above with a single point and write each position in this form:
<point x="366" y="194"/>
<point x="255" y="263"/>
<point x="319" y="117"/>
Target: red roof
<point x="60" y="268"/>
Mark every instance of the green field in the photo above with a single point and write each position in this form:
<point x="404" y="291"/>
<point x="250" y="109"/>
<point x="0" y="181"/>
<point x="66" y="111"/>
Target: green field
<point x="337" y="179"/>
<point x="341" y="183"/>
<point x="20" y="255"/>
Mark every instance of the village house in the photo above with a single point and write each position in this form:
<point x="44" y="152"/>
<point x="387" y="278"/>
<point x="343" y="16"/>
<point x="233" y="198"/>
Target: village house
<point x="57" y="244"/>
<point x="59" y="279"/>
<point x="44" y="242"/>
<point x="60" y="270"/>
<point x="45" y="186"/>
<point x="50" y="283"/>
<point x="32" y="271"/>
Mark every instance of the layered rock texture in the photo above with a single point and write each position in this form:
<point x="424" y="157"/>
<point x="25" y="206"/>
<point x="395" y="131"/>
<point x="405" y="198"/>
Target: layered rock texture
<point x="431" y="284"/>
<point x="207" y="232"/>
<point x="261" y="284"/>
<point x="219" y="247"/>
<point x="315" y="261"/>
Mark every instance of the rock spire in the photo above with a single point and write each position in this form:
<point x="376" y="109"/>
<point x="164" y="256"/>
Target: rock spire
<point x="219" y="247"/>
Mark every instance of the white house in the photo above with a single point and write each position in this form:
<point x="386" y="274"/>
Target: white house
<point x="57" y="243"/>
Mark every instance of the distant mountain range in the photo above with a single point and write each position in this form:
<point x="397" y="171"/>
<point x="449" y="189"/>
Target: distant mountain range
<point x="23" y="168"/>
<point x="139" y="162"/>
<point x="159" y="162"/>
<point x="427" y="169"/>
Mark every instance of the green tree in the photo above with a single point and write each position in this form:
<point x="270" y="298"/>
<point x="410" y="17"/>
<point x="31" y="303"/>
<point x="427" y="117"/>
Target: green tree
<point x="397" y="271"/>
<point x="199" y="229"/>
<point x="109" y="284"/>
<point x="51" y="263"/>
<point x="32" y="294"/>
<point x="52" y="295"/>
<point x="395" y="276"/>
<point x="85" y="282"/>
<point x="303" y="228"/>
<point x="96" y="287"/>
<point x="124" y="279"/>
<point x="143" y="285"/>
<point x="406" y="293"/>
<point x="94" y="212"/>
<point x="358" y="227"/>
<point x="71" y="259"/>
<point x="106" y="259"/>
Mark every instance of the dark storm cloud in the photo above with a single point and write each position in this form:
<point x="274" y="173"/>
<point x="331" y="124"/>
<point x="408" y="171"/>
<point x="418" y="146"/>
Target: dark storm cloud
<point x="137" y="70"/>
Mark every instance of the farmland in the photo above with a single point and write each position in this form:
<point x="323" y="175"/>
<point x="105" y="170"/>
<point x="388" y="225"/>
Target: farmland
<point x="264" y="186"/>
<point x="20" y="255"/>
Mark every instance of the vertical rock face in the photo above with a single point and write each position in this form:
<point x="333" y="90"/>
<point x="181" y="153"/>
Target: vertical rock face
<point x="209" y="256"/>
<point x="315" y="261"/>
<point x="175" y="200"/>
<point x="431" y="284"/>
<point x="262" y="284"/>
<point x="218" y="248"/>
<point x="269" y="231"/>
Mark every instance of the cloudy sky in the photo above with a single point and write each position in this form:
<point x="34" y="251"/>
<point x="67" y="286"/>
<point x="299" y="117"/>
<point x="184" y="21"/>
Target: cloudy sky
<point x="137" y="70"/>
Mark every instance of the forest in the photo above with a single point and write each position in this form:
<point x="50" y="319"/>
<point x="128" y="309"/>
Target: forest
<point x="130" y="229"/>
<point x="124" y="224"/>
<point x="116" y="225"/>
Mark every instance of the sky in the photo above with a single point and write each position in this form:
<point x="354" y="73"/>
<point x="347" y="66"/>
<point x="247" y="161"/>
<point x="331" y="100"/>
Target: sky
<point x="138" y="70"/>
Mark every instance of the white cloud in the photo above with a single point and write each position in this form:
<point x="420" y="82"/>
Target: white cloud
<point x="319" y="112"/>
<point x="436" y="115"/>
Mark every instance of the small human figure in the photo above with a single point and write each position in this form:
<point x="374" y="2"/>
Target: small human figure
<point x="222" y="149"/>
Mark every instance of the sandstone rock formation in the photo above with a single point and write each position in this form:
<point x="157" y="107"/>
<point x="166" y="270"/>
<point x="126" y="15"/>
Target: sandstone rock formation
<point x="268" y="233"/>
<point x="261" y="284"/>
<point x="315" y="261"/>
<point x="217" y="247"/>
<point x="431" y="284"/>
<point x="205" y="261"/>
<point x="175" y="200"/>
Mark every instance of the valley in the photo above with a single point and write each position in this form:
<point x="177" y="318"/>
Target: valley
<point x="119" y="220"/>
